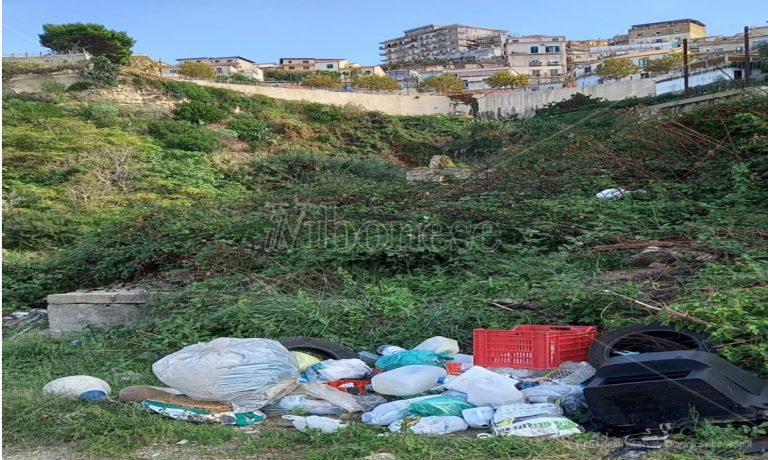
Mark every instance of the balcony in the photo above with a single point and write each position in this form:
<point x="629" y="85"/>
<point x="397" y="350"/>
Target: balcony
<point x="534" y="64"/>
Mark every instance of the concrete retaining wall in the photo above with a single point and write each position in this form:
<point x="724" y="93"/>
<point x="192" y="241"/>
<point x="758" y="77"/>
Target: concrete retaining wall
<point x="500" y="104"/>
<point x="417" y="104"/>
<point x="34" y="83"/>
<point x="524" y="104"/>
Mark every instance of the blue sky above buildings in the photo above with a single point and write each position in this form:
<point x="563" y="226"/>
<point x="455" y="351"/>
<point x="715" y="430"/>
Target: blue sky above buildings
<point x="265" y="30"/>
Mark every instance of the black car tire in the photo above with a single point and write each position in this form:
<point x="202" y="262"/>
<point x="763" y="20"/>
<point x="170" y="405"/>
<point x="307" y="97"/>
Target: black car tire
<point x="645" y="338"/>
<point x="319" y="348"/>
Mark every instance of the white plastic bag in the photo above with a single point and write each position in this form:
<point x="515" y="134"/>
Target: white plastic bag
<point x="439" y="344"/>
<point x="249" y="373"/>
<point x="515" y="412"/>
<point x="324" y="424"/>
<point x="548" y="426"/>
<point x="332" y="395"/>
<point x="436" y="424"/>
<point x="337" y="369"/>
<point x="388" y="413"/>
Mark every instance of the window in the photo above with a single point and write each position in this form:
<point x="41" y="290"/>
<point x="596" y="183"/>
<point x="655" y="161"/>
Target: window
<point x="554" y="72"/>
<point x="658" y="33"/>
<point x="552" y="49"/>
<point x="639" y="34"/>
<point x="291" y="67"/>
<point x="305" y="62"/>
<point x="228" y="60"/>
<point x="219" y="70"/>
<point x="659" y="40"/>
<point x="588" y="69"/>
<point x="216" y="61"/>
<point x="329" y="66"/>
<point x="534" y="49"/>
<point x="534" y="63"/>
<point x="535" y="73"/>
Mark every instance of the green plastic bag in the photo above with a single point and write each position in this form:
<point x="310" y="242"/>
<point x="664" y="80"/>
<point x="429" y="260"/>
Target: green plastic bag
<point x="440" y="405"/>
<point x="412" y="357"/>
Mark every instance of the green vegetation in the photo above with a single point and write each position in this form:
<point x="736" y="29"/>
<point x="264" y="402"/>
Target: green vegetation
<point x="322" y="80"/>
<point x="616" y="68"/>
<point x="445" y="83"/>
<point x="665" y="64"/>
<point x="197" y="70"/>
<point x="507" y="80"/>
<point x="101" y="71"/>
<point x="94" y="38"/>
<point x="376" y="82"/>
<point x="291" y="218"/>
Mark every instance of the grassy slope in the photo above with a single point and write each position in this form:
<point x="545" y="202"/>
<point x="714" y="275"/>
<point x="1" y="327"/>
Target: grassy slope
<point x="104" y="194"/>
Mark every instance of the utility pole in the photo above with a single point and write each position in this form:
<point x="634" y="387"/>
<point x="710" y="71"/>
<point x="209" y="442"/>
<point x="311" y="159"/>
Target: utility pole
<point x="747" y="61"/>
<point x="685" y="66"/>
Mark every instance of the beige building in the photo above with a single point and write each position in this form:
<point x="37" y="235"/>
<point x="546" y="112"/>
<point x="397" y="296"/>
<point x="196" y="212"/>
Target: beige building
<point x="667" y="31"/>
<point x="438" y="42"/>
<point x="719" y="44"/>
<point x="542" y="57"/>
<point x="229" y="65"/>
<point x="361" y="70"/>
<point x="313" y="64"/>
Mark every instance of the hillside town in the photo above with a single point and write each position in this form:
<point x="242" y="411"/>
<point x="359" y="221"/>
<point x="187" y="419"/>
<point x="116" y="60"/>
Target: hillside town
<point x="475" y="54"/>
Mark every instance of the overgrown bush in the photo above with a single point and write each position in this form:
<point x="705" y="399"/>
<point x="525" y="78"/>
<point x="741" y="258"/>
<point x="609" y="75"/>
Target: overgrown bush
<point x="102" y="114"/>
<point x="198" y="112"/>
<point x="183" y="135"/>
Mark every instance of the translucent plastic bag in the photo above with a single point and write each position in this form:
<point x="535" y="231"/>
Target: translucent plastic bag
<point x="441" y="405"/>
<point x="249" y="373"/>
<point x="430" y="425"/>
<point x="412" y="357"/>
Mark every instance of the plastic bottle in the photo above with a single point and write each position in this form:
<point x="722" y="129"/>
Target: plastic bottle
<point x="439" y="344"/>
<point x="466" y="361"/>
<point x="407" y="380"/>
<point x="486" y="388"/>
<point x="368" y="357"/>
<point x="386" y="350"/>
<point x="324" y="424"/>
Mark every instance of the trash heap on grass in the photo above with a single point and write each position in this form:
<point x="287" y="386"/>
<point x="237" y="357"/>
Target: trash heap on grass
<point x="530" y="381"/>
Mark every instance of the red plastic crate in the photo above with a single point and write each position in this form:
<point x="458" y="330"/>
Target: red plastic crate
<point x="357" y="386"/>
<point x="532" y="346"/>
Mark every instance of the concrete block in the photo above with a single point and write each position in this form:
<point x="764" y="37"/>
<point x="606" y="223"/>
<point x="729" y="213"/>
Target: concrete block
<point x="74" y="317"/>
<point x="102" y="297"/>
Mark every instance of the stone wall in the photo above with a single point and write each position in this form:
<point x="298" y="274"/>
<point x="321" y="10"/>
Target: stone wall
<point x="80" y="311"/>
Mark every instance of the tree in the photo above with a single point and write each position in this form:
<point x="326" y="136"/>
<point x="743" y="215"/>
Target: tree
<point x="376" y="82"/>
<point x="102" y="71"/>
<point x="445" y="83"/>
<point x="326" y="80"/>
<point x="197" y="70"/>
<point x="616" y="68"/>
<point x="665" y="64"/>
<point x="93" y="38"/>
<point x="507" y="80"/>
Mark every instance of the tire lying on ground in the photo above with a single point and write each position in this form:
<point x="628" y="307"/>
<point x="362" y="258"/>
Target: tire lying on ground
<point x="645" y="338"/>
<point x="319" y="348"/>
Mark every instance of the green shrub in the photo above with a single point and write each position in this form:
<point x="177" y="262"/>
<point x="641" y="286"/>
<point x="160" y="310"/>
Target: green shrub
<point x="78" y="86"/>
<point x="322" y="113"/>
<point x="183" y="135"/>
<point x="185" y="90"/>
<point x="198" y="112"/>
<point x="101" y="114"/>
<point x="251" y="130"/>
<point x="17" y="112"/>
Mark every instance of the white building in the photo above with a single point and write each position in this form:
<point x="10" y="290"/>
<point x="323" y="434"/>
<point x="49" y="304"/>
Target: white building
<point x="437" y="42"/>
<point x="542" y="57"/>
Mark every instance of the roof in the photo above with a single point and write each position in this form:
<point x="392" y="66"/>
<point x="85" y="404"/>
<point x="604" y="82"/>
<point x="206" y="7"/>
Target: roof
<point x="217" y="57"/>
<point x="674" y="21"/>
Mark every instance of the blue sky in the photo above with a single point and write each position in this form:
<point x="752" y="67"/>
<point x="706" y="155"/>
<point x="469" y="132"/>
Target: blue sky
<point x="266" y="30"/>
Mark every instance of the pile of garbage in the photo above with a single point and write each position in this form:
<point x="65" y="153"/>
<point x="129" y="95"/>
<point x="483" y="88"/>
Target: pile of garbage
<point x="433" y="389"/>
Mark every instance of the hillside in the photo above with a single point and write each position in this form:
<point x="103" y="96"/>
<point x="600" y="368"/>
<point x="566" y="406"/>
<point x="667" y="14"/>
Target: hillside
<point x="268" y="218"/>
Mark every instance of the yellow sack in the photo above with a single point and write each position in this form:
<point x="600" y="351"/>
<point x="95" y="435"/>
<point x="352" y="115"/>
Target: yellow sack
<point x="304" y="360"/>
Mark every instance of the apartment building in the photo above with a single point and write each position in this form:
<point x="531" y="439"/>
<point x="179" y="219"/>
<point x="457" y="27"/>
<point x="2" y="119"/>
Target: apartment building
<point x="542" y="57"/>
<point x="758" y="36"/>
<point x="667" y="31"/>
<point x="312" y="64"/>
<point x="437" y="41"/>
